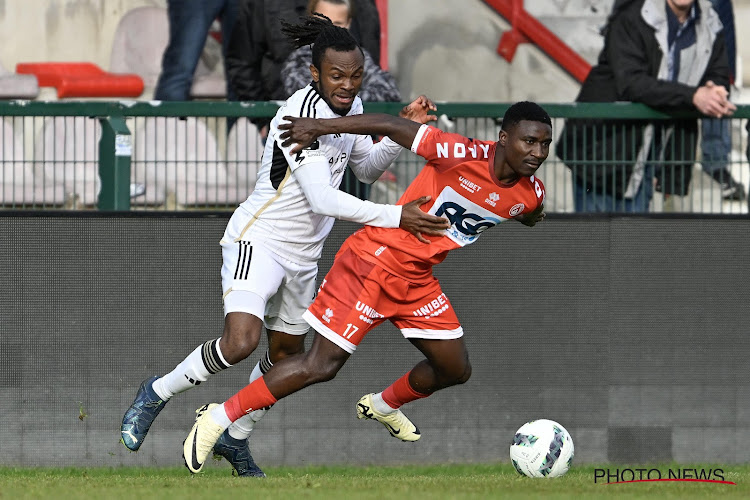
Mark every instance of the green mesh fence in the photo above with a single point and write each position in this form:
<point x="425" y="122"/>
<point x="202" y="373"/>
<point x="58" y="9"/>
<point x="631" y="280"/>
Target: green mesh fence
<point x="205" y="155"/>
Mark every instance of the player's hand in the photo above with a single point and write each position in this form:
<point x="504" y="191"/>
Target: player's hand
<point x="530" y="219"/>
<point x="414" y="220"/>
<point x="299" y="131"/>
<point x="418" y="110"/>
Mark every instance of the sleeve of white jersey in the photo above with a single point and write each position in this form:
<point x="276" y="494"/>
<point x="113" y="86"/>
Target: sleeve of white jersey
<point x="315" y="180"/>
<point x="369" y="160"/>
<point x="313" y="174"/>
<point x="311" y="154"/>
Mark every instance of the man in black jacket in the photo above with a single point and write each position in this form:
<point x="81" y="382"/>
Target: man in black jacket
<point x="669" y="55"/>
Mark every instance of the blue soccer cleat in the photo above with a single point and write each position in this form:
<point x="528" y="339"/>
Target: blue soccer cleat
<point x="140" y="415"/>
<point x="237" y="453"/>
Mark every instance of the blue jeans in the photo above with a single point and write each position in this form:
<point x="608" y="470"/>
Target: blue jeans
<point x="716" y="143"/>
<point x="588" y="200"/>
<point x="189" y="22"/>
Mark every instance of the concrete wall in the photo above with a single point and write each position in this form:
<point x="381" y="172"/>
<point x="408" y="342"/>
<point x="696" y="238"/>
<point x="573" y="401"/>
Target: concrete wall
<point x="629" y="331"/>
<point x="61" y="30"/>
<point x="443" y="48"/>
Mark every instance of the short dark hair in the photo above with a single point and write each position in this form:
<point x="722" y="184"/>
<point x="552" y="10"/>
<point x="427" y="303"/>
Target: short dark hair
<point x="524" y="110"/>
<point x="317" y="30"/>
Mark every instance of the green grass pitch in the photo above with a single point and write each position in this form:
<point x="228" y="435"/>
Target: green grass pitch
<point x="345" y="482"/>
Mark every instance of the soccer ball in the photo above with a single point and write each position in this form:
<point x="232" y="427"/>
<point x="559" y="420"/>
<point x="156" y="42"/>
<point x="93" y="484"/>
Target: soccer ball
<point x="542" y="448"/>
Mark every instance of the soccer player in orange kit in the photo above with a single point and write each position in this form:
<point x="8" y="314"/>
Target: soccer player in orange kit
<point x="382" y="273"/>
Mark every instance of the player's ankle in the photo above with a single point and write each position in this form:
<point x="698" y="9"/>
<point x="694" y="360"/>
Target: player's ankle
<point x="380" y="406"/>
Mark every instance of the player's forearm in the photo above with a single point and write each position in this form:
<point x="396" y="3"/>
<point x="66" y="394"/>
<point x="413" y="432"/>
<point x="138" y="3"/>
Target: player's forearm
<point x="324" y="199"/>
<point x="398" y="129"/>
<point x="377" y="161"/>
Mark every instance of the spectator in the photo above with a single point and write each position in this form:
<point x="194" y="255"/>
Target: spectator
<point x="716" y="140"/>
<point x="366" y="27"/>
<point x="670" y="56"/>
<point x="189" y="22"/>
<point x="377" y="85"/>
<point x="258" y="49"/>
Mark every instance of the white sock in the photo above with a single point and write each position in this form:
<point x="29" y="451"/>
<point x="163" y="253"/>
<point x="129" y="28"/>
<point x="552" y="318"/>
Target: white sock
<point x="203" y="362"/>
<point x="243" y="426"/>
<point x="256" y="373"/>
<point x="380" y="406"/>
<point x="219" y="415"/>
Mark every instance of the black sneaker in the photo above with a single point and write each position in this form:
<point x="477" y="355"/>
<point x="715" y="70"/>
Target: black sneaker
<point x="237" y="453"/>
<point x="730" y="189"/>
<point x="140" y="415"/>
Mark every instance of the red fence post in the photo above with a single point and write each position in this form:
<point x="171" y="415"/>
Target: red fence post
<point x="524" y="27"/>
<point x="383" y="14"/>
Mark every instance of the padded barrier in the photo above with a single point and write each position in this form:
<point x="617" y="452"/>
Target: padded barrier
<point x="81" y="79"/>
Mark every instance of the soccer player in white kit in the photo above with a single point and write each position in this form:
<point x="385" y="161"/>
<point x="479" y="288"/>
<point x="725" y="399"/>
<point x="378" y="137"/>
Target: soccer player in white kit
<point x="274" y="239"/>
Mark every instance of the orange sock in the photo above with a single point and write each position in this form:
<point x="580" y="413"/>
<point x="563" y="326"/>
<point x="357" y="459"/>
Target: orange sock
<point x="252" y="397"/>
<point x="401" y="392"/>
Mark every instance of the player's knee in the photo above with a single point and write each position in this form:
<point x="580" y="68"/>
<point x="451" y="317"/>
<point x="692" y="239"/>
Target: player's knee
<point x="238" y="347"/>
<point x="466" y="375"/>
<point x="279" y="351"/>
<point x="326" y="372"/>
<point x="241" y="336"/>
<point x="457" y="374"/>
<point x="243" y="349"/>
<point x="318" y="371"/>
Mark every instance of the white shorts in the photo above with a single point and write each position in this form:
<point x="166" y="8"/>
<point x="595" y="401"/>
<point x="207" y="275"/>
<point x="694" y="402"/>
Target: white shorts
<point x="257" y="281"/>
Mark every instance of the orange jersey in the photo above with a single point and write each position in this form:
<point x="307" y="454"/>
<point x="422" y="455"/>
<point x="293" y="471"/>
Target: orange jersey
<point x="459" y="178"/>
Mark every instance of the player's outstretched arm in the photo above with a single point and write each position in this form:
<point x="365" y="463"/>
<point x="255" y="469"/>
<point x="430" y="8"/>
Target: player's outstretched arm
<point x="530" y="219"/>
<point x="368" y="161"/>
<point x="302" y="132"/>
<point x="314" y="180"/>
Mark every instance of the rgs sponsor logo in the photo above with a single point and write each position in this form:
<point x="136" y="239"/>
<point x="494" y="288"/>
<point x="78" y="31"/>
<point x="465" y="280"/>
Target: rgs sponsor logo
<point x="627" y="475"/>
<point x="465" y="222"/>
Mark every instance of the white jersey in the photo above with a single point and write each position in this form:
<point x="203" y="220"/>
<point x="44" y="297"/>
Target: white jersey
<point x="279" y="215"/>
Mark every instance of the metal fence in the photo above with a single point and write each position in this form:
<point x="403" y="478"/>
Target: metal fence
<point x="205" y="155"/>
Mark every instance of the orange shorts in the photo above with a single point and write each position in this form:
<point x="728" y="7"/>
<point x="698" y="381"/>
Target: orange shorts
<point x="356" y="296"/>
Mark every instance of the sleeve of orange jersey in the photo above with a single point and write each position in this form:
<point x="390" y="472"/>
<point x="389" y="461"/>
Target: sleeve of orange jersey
<point x="441" y="148"/>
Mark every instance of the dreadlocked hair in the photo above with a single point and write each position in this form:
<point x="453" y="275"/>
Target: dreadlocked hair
<point x="317" y="30"/>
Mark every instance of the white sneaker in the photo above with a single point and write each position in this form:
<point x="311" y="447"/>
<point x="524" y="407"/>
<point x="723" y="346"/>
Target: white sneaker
<point x="397" y="424"/>
<point x="201" y="440"/>
<point x="137" y="189"/>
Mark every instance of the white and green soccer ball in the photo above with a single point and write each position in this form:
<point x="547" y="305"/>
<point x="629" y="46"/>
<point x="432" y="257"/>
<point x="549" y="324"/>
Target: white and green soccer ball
<point x="542" y="448"/>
